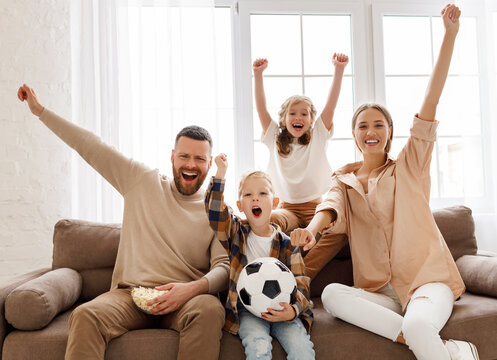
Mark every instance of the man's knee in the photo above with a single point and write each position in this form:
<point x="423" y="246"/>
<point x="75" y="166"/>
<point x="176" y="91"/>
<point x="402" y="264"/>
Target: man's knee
<point x="208" y="309"/>
<point x="332" y="296"/>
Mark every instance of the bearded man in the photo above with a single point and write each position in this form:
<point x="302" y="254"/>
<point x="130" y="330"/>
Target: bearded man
<point x="166" y="242"/>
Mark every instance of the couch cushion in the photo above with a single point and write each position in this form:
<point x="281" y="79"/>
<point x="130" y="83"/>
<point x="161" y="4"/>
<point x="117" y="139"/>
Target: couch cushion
<point x="35" y="303"/>
<point x="458" y="229"/>
<point x="83" y="245"/>
<point x="479" y="274"/>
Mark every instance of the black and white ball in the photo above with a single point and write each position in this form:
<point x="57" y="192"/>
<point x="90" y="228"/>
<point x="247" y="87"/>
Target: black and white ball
<point x="264" y="283"/>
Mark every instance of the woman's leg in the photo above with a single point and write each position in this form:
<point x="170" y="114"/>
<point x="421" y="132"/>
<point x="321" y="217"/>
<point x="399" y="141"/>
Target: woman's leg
<point x="294" y="339"/>
<point x="255" y="336"/>
<point x="374" y="312"/>
<point x="428" y="311"/>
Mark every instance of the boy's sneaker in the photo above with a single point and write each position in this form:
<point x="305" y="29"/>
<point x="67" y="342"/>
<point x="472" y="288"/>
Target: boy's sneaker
<point x="462" y="350"/>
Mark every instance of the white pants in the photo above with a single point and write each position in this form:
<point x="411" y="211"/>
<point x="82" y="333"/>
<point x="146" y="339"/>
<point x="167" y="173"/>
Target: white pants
<point x="425" y="315"/>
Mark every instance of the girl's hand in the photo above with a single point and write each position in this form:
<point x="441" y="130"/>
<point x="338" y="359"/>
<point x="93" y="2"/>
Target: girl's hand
<point x="450" y="17"/>
<point x="259" y="65"/>
<point x="222" y="165"/>
<point x="302" y="237"/>
<point x="28" y="94"/>
<point x="340" y="60"/>
<point x="287" y="314"/>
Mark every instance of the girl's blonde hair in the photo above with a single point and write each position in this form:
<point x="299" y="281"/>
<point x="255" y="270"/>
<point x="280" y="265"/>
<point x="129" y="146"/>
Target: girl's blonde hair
<point x="284" y="138"/>
<point x="385" y="113"/>
<point x="254" y="174"/>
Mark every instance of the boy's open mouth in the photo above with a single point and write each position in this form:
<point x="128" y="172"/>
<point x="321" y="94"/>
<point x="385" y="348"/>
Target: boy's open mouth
<point x="257" y="211"/>
<point x="189" y="175"/>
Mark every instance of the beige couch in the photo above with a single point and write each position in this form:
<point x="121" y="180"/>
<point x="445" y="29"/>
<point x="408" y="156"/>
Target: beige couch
<point x="32" y="300"/>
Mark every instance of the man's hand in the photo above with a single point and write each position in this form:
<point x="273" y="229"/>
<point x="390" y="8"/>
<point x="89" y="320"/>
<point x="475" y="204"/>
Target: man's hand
<point x="287" y="314"/>
<point x="28" y="94"/>
<point x="222" y="165"/>
<point x="303" y="237"/>
<point x="177" y="295"/>
<point x="340" y="61"/>
<point x="259" y="65"/>
<point x="450" y="17"/>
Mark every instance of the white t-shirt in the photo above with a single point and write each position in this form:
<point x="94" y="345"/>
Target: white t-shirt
<point x="305" y="173"/>
<point x="258" y="246"/>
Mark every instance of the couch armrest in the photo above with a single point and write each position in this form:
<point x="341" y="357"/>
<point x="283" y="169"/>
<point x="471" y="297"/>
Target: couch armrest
<point x="5" y="289"/>
<point x="479" y="273"/>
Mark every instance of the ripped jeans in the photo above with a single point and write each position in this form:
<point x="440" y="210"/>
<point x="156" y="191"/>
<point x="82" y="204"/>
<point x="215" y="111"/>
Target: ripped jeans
<point x="257" y="333"/>
<point x="426" y="314"/>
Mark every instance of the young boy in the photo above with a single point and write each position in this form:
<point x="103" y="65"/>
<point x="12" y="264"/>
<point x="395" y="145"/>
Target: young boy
<point x="246" y="240"/>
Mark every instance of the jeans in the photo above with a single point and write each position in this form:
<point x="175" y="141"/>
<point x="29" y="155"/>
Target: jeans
<point x="257" y="333"/>
<point x="380" y="313"/>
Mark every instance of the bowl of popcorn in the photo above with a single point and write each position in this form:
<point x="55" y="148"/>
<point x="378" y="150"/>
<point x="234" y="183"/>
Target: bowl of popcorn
<point x="141" y="295"/>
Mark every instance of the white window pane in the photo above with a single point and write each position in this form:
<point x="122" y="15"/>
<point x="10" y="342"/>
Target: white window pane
<point x="317" y="89"/>
<point x="277" y="38"/>
<point x="464" y="59"/>
<point x="340" y="153"/>
<point x="459" y="107"/>
<point x="407" y="43"/>
<point x="398" y="144"/>
<point x="460" y="167"/>
<point x="404" y="97"/>
<point x="323" y="36"/>
<point x="261" y="156"/>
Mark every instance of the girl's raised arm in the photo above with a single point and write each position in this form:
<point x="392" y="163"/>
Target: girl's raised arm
<point x="260" y="97"/>
<point x="340" y="61"/>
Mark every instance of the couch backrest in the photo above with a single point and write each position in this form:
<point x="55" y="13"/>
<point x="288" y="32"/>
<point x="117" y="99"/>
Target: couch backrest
<point x="91" y="249"/>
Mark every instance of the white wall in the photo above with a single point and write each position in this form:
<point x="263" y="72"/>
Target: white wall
<point x="34" y="164"/>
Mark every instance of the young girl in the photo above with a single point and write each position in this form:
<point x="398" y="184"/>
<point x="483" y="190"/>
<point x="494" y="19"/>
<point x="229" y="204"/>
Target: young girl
<point x="401" y="263"/>
<point x="297" y="145"/>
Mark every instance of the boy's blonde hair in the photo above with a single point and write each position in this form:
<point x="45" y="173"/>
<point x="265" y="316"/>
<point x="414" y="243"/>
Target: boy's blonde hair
<point x="254" y="174"/>
<point x="284" y="138"/>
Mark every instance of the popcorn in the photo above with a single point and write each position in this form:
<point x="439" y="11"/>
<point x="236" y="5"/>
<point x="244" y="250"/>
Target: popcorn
<point x="141" y="295"/>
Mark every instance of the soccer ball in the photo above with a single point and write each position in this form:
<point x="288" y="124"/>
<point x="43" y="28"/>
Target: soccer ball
<point x="264" y="283"/>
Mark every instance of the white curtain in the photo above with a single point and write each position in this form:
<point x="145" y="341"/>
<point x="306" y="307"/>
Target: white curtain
<point x="142" y="70"/>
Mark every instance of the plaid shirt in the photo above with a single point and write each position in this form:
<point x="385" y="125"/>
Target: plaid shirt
<point x="232" y="232"/>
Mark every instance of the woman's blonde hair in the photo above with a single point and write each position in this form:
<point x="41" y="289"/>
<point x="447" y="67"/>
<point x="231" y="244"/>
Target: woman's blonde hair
<point x="254" y="174"/>
<point x="284" y="138"/>
<point x="385" y="113"/>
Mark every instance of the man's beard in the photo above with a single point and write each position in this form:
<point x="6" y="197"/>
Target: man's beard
<point x="194" y="186"/>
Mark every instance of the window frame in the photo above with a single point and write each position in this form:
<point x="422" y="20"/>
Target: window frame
<point x="476" y="10"/>
<point x="243" y="85"/>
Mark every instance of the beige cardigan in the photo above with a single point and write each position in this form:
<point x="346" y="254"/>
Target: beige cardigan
<point x="394" y="238"/>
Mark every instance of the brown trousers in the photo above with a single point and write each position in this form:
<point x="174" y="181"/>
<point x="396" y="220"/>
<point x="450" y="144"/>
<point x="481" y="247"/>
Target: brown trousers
<point x="291" y="216"/>
<point x="94" y="324"/>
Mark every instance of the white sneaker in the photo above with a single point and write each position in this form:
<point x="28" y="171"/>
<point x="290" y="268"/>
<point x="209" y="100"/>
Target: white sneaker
<point x="462" y="350"/>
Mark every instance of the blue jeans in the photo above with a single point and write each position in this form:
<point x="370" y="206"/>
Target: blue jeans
<point x="257" y="333"/>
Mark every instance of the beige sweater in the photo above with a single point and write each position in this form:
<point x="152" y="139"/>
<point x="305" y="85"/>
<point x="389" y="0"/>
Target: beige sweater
<point x="165" y="235"/>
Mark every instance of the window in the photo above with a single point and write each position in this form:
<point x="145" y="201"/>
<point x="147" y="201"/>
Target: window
<point x="300" y="64"/>
<point x="411" y="46"/>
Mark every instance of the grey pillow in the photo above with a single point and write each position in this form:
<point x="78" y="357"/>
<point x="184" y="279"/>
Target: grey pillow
<point x="479" y="274"/>
<point x="34" y="304"/>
